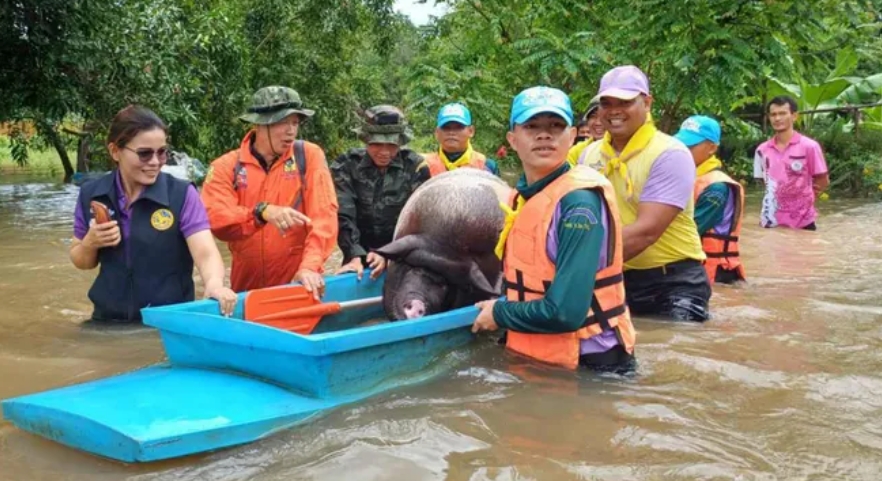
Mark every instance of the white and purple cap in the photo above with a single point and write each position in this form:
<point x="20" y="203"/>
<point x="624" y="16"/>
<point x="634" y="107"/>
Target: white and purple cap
<point x="625" y="83"/>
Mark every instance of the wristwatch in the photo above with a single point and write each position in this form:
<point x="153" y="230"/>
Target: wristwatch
<point x="258" y="212"/>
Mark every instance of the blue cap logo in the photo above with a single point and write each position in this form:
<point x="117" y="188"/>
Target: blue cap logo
<point x="454" y="112"/>
<point x="697" y="129"/>
<point x="540" y="100"/>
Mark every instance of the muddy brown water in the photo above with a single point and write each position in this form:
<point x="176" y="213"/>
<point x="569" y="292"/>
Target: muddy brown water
<point x="783" y="383"/>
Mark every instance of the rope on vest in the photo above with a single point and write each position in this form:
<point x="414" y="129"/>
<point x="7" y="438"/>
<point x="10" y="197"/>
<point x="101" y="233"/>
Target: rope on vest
<point x="510" y="216"/>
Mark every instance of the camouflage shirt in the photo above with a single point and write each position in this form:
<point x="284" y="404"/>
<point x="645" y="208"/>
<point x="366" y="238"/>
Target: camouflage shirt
<point x="371" y="200"/>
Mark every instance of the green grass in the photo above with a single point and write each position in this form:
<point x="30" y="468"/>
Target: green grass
<point x="40" y="161"/>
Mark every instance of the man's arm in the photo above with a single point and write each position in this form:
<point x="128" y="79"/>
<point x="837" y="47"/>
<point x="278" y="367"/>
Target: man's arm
<point x="711" y="206"/>
<point x="321" y="207"/>
<point x="229" y="220"/>
<point x="667" y="192"/>
<point x="565" y="306"/>
<point x="820" y="175"/>
<point x="348" y="236"/>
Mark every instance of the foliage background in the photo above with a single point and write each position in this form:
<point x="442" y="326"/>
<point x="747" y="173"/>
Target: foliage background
<point x="69" y="65"/>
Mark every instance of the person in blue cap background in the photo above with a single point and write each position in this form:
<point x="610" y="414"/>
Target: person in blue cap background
<point x="555" y="245"/>
<point x="454" y="132"/>
<point x="719" y="200"/>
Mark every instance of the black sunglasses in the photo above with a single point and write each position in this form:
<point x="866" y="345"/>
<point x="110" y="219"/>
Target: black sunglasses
<point x="146" y="155"/>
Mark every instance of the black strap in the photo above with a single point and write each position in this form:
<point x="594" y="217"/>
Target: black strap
<point x="300" y="159"/>
<point x="722" y="237"/>
<point x="609" y="281"/>
<point x="599" y="316"/>
<point x="720" y="255"/>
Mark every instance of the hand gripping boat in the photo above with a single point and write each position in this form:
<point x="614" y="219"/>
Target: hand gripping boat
<point x="228" y="381"/>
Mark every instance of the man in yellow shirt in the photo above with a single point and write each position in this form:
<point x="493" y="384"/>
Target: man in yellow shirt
<point x="653" y="175"/>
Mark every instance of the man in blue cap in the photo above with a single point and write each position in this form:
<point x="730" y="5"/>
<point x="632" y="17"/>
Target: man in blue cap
<point x="454" y="132"/>
<point x="561" y="249"/>
<point x="719" y="201"/>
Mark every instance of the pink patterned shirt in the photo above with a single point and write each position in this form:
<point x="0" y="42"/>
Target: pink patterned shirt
<point x="789" y="200"/>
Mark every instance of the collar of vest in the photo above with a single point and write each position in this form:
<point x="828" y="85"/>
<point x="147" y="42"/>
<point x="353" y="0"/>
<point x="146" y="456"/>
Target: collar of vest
<point x="527" y="191"/>
<point x="158" y="192"/>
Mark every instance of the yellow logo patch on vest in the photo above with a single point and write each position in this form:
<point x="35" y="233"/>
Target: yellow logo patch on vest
<point x="162" y="219"/>
<point x="209" y="175"/>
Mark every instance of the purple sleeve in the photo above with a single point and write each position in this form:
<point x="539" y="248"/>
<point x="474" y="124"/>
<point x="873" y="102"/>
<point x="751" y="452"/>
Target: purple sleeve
<point x="81" y="225"/>
<point x="817" y="162"/>
<point x="193" y="216"/>
<point x="671" y="179"/>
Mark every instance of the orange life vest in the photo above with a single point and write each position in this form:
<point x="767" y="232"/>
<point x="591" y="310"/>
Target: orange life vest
<point x="436" y="165"/>
<point x="721" y="248"/>
<point x="529" y="271"/>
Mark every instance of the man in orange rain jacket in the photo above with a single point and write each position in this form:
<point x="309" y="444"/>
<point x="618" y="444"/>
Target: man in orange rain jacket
<point x="272" y="199"/>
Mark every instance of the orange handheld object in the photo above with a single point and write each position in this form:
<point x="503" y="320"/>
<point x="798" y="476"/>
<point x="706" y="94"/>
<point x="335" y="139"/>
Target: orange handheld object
<point x="293" y="308"/>
<point x="101" y="212"/>
<point x="303" y="320"/>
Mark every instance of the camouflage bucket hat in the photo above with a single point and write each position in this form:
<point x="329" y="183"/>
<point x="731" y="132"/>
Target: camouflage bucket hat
<point x="272" y="104"/>
<point x="384" y="124"/>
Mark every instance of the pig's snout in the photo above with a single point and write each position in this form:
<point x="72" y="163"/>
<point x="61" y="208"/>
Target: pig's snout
<point x="414" y="309"/>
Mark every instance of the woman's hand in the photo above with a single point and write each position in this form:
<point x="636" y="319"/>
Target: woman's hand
<point x="102" y="235"/>
<point x="225" y="297"/>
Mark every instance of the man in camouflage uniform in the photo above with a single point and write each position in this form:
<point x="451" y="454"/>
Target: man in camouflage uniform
<point x="372" y="186"/>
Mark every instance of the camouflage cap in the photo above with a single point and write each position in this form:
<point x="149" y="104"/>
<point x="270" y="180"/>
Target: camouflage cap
<point x="272" y="104"/>
<point x="384" y="124"/>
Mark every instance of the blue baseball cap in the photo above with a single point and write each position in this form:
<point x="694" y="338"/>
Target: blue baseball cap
<point x="697" y="129"/>
<point x="540" y="100"/>
<point x="455" y="112"/>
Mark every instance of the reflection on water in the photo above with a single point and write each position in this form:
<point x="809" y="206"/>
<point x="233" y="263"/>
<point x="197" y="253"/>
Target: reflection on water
<point x="783" y="383"/>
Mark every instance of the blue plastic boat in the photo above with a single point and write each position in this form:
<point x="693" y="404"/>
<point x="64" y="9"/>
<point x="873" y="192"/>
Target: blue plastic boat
<point x="229" y="381"/>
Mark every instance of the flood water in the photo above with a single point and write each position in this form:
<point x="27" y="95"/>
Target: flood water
<point x="784" y="383"/>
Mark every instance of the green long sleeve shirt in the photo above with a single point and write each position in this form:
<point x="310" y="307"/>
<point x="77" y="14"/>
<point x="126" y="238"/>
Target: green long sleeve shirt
<point x="711" y="206"/>
<point x="581" y="236"/>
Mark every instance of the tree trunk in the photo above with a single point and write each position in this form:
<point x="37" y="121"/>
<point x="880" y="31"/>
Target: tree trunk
<point x="83" y="148"/>
<point x="51" y="134"/>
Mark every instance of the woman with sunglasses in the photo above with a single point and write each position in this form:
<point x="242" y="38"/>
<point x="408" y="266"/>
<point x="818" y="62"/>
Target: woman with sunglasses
<point x="152" y="231"/>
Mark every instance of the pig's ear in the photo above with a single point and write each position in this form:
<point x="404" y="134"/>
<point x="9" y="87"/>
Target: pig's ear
<point x="460" y="272"/>
<point x="480" y="282"/>
<point x="401" y="248"/>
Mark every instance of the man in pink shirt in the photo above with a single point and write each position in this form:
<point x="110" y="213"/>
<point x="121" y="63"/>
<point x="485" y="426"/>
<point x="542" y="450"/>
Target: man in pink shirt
<point x="793" y="169"/>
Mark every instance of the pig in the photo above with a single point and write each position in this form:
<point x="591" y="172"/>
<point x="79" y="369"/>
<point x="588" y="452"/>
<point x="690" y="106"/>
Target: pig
<point x="442" y="253"/>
